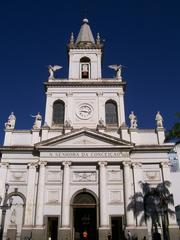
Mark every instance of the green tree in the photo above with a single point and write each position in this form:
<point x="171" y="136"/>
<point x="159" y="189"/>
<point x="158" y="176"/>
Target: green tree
<point x="175" y="131"/>
<point x="153" y="204"/>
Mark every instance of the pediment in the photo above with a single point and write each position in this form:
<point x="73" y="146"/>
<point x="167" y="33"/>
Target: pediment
<point x="84" y="139"/>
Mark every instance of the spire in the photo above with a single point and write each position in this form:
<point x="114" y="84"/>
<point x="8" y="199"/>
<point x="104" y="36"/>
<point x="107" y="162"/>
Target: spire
<point x="85" y="35"/>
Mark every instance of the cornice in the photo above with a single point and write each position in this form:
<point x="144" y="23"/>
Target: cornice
<point x="82" y="84"/>
<point x="5" y="149"/>
<point x="152" y="148"/>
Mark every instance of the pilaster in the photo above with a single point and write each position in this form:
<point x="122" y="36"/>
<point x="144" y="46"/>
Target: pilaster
<point x="65" y="230"/>
<point x="134" y="138"/>
<point x="30" y="201"/>
<point x="165" y="167"/>
<point x="128" y="193"/>
<point x="35" y="136"/>
<point x="3" y="176"/>
<point x="124" y="132"/>
<point x="121" y="107"/>
<point x="103" y="196"/>
<point x="40" y="195"/>
<point x="8" y="137"/>
<point x="138" y="176"/>
<point x="160" y="135"/>
<point x="45" y="131"/>
<point x="65" y="195"/>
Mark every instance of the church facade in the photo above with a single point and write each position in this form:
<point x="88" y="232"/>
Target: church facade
<point x="74" y="175"/>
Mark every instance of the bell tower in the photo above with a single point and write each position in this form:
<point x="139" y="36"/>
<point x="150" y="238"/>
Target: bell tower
<point x="85" y="55"/>
<point x="85" y="99"/>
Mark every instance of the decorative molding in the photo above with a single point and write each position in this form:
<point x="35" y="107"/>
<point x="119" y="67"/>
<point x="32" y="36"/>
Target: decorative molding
<point x="99" y="94"/>
<point x="32" y="165"/>
<point x="42" y="163"/>
<point x="4" y="165"/>
<point x="166" y="164"/>
<point x="114" y="175"/>
<point x="69" y="94"/>
<point x="115" y="196"/>
<point x="17" y="175"/>
<point x="90" y="84"/>
<point x="126" y="163"/>
<point x="152" y="175"/>
<point x="53" y="176"/>
<point x="102" y="164"/>
<point x="84" y="176"/>
<point x="136" y="165"/>
<point x="53" y="196"/>
<point x="66" y="164"/>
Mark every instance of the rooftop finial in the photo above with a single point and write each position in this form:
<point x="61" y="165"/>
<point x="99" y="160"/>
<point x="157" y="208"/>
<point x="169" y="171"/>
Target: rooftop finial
<point x="85" y="20"/>
<point x="98" y="39"/>
<point x="72" y="38"/>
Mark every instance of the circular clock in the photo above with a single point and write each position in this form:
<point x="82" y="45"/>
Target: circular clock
<point x="84" y="111"/>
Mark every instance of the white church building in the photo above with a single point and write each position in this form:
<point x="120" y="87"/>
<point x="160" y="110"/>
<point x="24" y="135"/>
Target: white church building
<point x="76" y="170"/>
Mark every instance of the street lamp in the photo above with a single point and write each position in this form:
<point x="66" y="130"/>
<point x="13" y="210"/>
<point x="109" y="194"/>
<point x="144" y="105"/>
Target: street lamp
<point x="5" y="206"/>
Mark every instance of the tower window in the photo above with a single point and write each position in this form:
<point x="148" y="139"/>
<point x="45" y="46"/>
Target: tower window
<point x="85" y="67"/>
<point x="58" y="112"/>
<point x="111" y="113"/>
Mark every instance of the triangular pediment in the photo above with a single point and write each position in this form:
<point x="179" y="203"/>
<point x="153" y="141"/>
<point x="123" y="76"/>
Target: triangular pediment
<point x="84" y="138"/>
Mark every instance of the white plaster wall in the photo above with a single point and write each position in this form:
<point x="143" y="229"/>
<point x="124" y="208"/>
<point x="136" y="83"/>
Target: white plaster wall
<point x="74" y="62"/>
<point x="22" y="138"/>
<point x="175" y="179"/>
<point x="73" y="97"/>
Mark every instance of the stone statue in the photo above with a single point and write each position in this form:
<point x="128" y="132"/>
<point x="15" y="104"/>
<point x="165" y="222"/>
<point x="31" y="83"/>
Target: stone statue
<point x="101" y="122"/>
<point x="52" y="69"/>
<point x="118" y="69"/>
<point x="67" y="124"/>
<point x="159" y="120"/>
<point x="10" y="124"/>
<point x="133" y="120"/>
<point x="37" y="122"/>
<point x="13" y="216"/>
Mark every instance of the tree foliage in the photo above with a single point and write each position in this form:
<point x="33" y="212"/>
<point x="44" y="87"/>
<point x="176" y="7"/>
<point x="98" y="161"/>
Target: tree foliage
<point x="153" y="204"/>
<point x="175" y="131"/>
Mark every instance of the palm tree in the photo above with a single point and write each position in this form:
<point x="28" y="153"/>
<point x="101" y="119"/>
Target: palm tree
<point x="153" y="204"/>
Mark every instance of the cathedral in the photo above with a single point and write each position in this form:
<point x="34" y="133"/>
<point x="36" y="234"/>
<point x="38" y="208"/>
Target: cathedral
<point x="72" y="176"/>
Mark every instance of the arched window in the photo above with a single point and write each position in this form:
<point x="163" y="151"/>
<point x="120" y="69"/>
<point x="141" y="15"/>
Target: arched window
<point x="84" y="198"/>
<point x="111" y="113"/>
<point x="58" y="112"/>
<point x="85" y="67"/>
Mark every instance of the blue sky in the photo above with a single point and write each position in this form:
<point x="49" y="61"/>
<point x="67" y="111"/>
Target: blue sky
<point x="143" y="35"/>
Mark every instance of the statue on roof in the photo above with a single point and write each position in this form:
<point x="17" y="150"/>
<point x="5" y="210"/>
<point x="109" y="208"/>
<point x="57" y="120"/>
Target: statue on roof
<point x="159" y="120"/>
<point x="118" y="69"/>
<point x="133" y="120"/>
<point x="52" y="70"/>
<point x="67" y="124"/>
<point x="38" y="120"/>
<point x="10" y="124"/>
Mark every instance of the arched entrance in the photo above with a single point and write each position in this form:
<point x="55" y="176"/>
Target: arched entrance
<point x="84" y="216"/>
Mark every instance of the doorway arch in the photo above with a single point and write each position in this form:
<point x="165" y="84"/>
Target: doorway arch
<point x="85" y="215"/>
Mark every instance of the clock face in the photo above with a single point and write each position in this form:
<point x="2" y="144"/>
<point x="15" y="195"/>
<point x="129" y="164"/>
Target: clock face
<point x="84" y="111"/>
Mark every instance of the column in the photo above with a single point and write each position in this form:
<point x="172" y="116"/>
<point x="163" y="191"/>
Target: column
<point x="65" y="196"/>
<point x="29" y="211"/>
<point x="103" y="195"/>
<point x="128" y="193"/>
<point x="137" y="178"/>
<point x="3" y="176"/>
<point x="40" y="194"/>
<point x="166" y="177"/>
